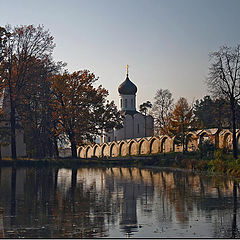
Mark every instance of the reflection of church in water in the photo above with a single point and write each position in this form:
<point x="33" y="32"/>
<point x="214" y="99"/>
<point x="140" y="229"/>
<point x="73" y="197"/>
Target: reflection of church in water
<point x="129" y="191"/>
<point x="135" y="124"/>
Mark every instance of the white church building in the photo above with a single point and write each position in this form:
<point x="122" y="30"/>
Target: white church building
<point x="135" y="124"/>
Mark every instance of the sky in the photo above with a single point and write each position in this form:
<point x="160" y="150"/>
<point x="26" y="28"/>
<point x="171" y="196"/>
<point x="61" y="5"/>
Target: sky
<point x="166" y="43"/>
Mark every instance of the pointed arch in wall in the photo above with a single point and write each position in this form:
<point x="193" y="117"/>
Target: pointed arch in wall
<point x="144" y="147"/>
<point x="88" y="152"/>
<point x="192" y="142"/>
<point x="97" y="151"/>
<point x="114" y="150"/>
<point x="166" y="144"/>
<point x="227" y="140"/>
<point x="154" y="145"/>
<point x="123" y="148"/>
<point x="80" y="152"/>
<point x="105" y="150"/>
<point x="133" y="147"/>
<point x="203" y="136"/>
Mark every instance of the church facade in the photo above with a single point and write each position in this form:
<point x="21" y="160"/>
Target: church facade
<point x="135" y="124"/>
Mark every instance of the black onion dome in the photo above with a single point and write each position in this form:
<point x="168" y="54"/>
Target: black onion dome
<point x="127" y="87"/>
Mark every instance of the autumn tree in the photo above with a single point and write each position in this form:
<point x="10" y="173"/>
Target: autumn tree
<point x="22" y="44"/>
<point x="181" y="122"/>
<point x="35" y="108"/>
<point x="162" y="110"/>
<point x="224" y="80"/>
<point x="80" y="108"/>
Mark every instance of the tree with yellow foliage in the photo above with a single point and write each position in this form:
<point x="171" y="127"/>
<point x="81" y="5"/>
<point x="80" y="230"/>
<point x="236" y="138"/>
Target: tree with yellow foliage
<point x="182" y="122"/>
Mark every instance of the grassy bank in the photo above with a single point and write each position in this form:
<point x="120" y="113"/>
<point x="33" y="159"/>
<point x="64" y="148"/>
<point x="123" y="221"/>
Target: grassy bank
<point x="217" y="161"/>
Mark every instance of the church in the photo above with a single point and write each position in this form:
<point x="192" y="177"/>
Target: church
<point x="135" y="124"/>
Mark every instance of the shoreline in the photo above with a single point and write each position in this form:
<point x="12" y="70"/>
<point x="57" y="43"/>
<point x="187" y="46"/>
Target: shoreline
<point x="188" y="161"/>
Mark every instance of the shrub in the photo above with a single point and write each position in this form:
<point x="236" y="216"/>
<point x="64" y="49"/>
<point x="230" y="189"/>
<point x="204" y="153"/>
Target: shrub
<point x="217" y="165"/>
<point x="206" y="149"/>
<point x="219" y="154"/>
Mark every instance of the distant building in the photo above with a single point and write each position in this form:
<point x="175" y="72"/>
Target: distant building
<point x="135" y="124"/>
<point x="5" y="124"/>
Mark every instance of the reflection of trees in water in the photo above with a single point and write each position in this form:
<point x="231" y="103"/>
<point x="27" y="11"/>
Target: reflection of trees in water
<point x="46" y="212"/>
<point x="208" y="194"/>
<point x="84" y="210"/>
<point x="13" y="194"/>
<point x="228" y="229"/>
<point x="86" y="202"/>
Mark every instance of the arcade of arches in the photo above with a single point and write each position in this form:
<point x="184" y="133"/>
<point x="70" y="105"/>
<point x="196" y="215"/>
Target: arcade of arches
<point x="160" y="144"/>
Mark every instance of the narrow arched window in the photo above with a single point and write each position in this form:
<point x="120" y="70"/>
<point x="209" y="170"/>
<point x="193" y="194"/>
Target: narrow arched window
<point x="121" y="103"/>
<point x="125" y="103"/>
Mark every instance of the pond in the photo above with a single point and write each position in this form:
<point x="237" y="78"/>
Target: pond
<point x="116" y="202"/>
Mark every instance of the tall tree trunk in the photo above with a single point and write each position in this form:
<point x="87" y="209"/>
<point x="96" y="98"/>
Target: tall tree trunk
<point x="183" y="139"/>
<point x="73" y="144"/>
<point x="13" y="128"/>
<point x="55" y="180"/>
<point x="74" y="149"/>
<point x="234" y="141"/>
<point x="56" y="148"/>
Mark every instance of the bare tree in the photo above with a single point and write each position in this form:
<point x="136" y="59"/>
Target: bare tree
<point x="21" y="45"/>
<point x="161" y="110"/>
<point x="3" y="37"/>
<point x="224" y="80"/>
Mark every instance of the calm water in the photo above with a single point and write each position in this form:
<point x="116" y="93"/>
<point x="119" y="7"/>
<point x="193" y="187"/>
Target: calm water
<point x="116" y="202"/>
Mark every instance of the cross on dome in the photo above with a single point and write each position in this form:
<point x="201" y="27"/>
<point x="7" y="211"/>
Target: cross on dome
<point x="127" y="87"/>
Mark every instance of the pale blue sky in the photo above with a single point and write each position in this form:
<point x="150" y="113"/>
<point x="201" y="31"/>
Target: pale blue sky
<point x="166" y="43"/>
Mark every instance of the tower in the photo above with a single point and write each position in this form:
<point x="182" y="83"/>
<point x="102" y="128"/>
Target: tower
<point x="127" y="92"/>
<point x="135" y="124"/>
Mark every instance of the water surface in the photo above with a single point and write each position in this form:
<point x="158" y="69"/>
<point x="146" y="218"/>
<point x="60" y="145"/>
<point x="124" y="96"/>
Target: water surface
<point x="116" y="202"/>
